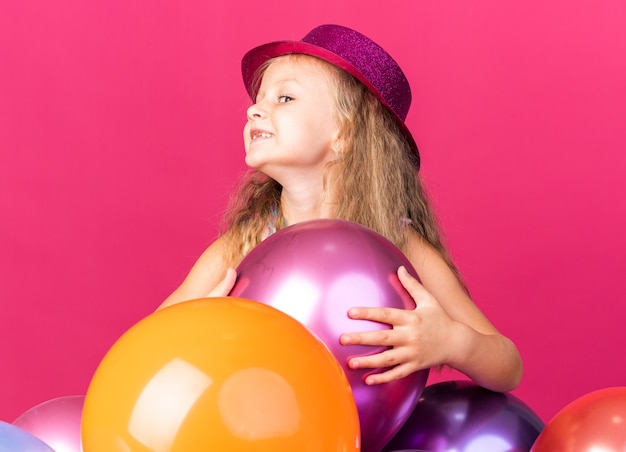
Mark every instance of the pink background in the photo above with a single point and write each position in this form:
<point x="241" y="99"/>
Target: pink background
<point x="120" y="138"/>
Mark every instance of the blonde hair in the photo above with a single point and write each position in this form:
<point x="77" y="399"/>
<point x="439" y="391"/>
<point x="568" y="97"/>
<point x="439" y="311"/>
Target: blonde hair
<point x="373" y="181"/>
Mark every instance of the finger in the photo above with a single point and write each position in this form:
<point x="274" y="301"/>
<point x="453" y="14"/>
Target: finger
<point x="386" y="338"/>
<point x="390" y="316"/>
<point x="395" y="373"/>
<point x="411" y="284"/>
<point x="225" y="285"/>
<point x="387" y="358"/>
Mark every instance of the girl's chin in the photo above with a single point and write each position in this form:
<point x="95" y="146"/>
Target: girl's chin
<point x="255" y="158"/>
<point x="255" y="164"/>
<point x="251" y="161"/>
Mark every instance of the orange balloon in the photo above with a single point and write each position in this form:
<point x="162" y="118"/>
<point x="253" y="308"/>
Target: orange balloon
<point x="595" y="422"/>
<point x="220" y="374"/>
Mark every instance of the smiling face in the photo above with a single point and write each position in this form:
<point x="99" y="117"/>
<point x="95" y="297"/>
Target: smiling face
<point x="292" y="126"/>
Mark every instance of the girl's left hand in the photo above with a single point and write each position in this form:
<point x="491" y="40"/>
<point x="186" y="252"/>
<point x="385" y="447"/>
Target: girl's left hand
<point x="418" y="339"/>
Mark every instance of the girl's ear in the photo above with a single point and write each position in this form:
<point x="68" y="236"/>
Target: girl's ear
<point x="337" y="145"/>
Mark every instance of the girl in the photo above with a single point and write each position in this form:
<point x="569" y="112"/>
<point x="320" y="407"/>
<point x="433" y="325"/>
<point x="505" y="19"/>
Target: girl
<point x="325" y="138"/>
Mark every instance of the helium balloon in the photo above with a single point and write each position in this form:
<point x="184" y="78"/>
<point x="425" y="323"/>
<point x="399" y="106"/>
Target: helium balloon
<point x="595" y="422"/>
<point x="315" y="271"/>
<point x="57" y="422"/>
<point x="219" y="374"/>
<point x="14" y="439"/>
<point x="461" y="416"/>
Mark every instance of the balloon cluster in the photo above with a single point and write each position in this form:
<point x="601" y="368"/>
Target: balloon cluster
<point x="315" y="271"/>
<point x="459" y="416"/>
<point x="263" y="370"/>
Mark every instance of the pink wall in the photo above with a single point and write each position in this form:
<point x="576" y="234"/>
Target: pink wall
<point x="120" y="136"/>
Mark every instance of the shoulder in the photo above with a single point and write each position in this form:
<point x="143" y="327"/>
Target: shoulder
<point x="205" y="274"/>
<point x="215" y="253"/>
<point x="424" y="257"/>
<point x="433" y="270"/>
<point x="441" y="282"/>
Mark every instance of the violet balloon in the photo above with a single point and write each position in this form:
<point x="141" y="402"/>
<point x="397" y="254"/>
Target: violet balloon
<point x="461" y="416"/>
<point x="14" y="439"/>
<point x="56" y="422"/>
<point x="315" y="271"/>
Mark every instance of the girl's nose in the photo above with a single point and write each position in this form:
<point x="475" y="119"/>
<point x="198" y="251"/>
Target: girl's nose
<point x="255" y="111"/>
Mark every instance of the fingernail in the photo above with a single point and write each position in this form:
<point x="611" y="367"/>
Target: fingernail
<point x="354" y="364"/>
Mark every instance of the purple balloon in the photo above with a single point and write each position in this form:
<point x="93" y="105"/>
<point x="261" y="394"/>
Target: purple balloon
<point x="56" y="422"/>
<point x="461" y="416"/>
<point x="14" y="439"/>
<point x="315" y="271"/>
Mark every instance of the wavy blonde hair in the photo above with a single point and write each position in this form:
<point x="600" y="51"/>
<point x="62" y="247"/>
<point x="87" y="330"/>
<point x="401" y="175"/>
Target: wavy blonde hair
<point x="373" y="181"/>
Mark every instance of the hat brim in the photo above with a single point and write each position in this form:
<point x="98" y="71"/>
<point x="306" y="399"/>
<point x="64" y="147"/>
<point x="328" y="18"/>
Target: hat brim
<point x="256" y="57"/>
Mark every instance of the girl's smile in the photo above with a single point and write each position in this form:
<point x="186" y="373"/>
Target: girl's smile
<point x="257" y="134"/>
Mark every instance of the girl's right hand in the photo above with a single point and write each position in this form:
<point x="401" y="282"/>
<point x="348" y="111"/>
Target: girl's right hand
<point x="224" y="287"/>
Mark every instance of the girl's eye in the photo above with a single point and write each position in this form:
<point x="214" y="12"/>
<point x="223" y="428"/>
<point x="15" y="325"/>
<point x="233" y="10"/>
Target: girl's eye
<point x="284" y="99"/>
